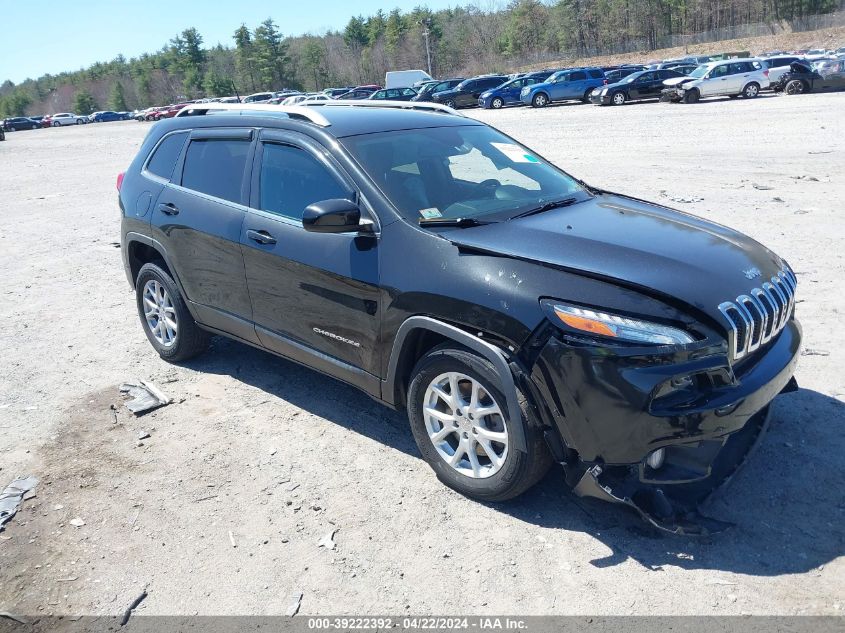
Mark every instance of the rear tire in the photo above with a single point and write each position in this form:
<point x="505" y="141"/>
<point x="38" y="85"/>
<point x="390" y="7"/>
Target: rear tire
<point x="692" y="96"/>
<point x="586" y="97"/>
<point x="751" y="91"/>
<point x="470" y="436"/>
<point x="159" y="301"/>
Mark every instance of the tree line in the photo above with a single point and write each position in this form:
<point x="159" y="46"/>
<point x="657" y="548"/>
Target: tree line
<point x="456" y="41"/>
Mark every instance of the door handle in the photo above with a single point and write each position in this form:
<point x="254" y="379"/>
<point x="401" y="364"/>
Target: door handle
<point x="168" y="208"/>
<point x="262" y="237"/>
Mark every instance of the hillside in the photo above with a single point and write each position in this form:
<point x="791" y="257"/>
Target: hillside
<point x="460" y="41"/>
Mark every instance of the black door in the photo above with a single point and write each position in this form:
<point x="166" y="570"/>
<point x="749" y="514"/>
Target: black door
<point x="198" y="217"/>
<point x="314" y="295"/>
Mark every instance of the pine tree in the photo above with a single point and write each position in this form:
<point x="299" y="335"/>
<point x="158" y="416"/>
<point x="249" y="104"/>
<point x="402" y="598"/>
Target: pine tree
<point x="84" y="103"/>
<point x="117" y="100"/>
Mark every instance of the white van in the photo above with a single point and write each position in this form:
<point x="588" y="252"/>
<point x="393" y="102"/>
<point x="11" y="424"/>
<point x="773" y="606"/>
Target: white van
<point x="404" y="78"/>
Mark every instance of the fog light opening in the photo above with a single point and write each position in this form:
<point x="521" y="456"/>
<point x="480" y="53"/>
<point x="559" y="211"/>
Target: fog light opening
<point x="655" y="459"/>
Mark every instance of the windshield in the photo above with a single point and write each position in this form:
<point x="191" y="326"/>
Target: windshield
<point x="461" y="172"/>
<point x="700" y="71"/>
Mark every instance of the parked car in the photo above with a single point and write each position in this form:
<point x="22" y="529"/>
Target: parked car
<point x="334" y="93"/>
<point x="2" y="134"/>
<point x="508" y="92"/>
<point x="66" y="118"/>
<point x="645" y="84"/>
<point x="518" y="316"/>
<point x="466" y="93"/>
<point x="394" y="94"/>
<point x="170" y="111"/>
<point x="357" y="94"/>
<point x="108" y="115"/>
<point x="425" y="92"/>
<point x="803" y="78"/>
<point x="731" y="78"/>
<point x="258" y="97"/>
<point x="778" y="66"/>
<point x="573" y="84"/>
<point x="618" y="74"/>
<point x="16" y="123"/>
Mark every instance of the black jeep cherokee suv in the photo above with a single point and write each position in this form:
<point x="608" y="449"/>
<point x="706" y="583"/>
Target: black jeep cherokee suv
<point x="519" y="315"/>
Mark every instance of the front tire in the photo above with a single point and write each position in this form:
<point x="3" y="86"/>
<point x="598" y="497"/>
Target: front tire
<point x="795" y="87"/>
<point x="168" y="324"/>
<point x="450" y="103"/>
<point x="618" y="98"/>
<point x="459" y="418"/>
<point x="692" y="96"/>
<point x="751" y="90"/>
<point x="540" y="100"/>
<point x="497" y="103"/>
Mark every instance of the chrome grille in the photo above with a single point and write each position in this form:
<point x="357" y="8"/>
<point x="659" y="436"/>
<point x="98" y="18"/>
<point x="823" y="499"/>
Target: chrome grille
<point x="756" y="318"/>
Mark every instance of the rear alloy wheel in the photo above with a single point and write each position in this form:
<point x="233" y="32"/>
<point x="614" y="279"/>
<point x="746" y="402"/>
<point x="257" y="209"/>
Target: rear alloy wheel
<point x="751" y="90"/>
<point x="795" y="87"/>
<point x="618" y="98"/>
<point x="167" y="322"/>
<point x="692" y="96"/>
<point x="497" y="103"/>
<point x="586" y="97"/>
<point x="540" y="100"/>
<point x="460" y="422"/>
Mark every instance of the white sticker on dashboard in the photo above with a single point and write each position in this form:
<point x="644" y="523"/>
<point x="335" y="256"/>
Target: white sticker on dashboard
<point x="515" y="153"/>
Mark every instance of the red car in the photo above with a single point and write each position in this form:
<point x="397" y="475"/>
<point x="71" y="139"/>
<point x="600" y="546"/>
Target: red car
<point x="170" y="111"/>
<point x="46" y="121"/>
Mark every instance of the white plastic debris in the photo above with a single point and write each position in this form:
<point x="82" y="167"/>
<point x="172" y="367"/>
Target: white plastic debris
<point x="77" y="522"/>
<point x="11" y="497"/>
<point x="328" y="540"/>
<point x="145" y="396"/>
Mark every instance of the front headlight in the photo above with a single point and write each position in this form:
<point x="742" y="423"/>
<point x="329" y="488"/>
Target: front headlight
<point x="617" y="327"/>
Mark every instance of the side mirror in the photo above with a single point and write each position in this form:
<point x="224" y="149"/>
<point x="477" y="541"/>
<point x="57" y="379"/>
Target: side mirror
<point x="333" y="216"/>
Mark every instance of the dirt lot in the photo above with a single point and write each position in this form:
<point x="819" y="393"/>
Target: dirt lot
<point x="221" y="509"/>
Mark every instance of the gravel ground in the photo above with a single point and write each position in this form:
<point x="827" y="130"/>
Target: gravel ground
<point x="221" y="509"/>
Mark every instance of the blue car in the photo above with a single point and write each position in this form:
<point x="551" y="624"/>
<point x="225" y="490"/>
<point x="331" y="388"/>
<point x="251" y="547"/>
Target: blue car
<point x="573" y="84"/>
<point x="508" y="92"/>
<point x="108" y="115"/>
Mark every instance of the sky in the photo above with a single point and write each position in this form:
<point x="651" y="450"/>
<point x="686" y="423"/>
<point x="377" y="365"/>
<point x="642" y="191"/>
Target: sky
<point x="38" y="39"/>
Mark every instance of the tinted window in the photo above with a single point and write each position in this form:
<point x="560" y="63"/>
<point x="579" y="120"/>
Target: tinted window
<point x="578" y="75"/>
<point x="165" y="155"/>
<point x="596" y="74"/>
<point x="491" y="83"/>
<point x="291" y="179"/>
<point x="216" y="167"/>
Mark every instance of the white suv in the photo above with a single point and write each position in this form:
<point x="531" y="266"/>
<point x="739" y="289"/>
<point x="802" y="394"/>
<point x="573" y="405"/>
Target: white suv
<point x="729" y="77"/>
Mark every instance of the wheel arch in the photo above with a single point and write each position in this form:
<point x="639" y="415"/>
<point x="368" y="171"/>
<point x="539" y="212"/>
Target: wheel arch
<point x="417" y="335"/>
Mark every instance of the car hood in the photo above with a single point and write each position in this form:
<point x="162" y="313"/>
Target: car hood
<point x="644" y="246"/>
<point x="674" y="81"/>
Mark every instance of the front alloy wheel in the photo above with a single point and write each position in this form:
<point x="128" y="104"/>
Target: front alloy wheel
<point x="618" y="98"/>
<point x="540" y="100"/>
<point x="465" y="425"/>
<point x="497" y="103"/>
<point x="160" y="313"/>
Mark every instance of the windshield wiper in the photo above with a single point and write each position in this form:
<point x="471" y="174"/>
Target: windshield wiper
<point x="461" y="223"/>
<point x="547" y="206"/>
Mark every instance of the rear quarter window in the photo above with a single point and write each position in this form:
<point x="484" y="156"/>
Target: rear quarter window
<point x="164" y="156"/>
<point x="578" y="75"/>
<point x="596" y="74"/>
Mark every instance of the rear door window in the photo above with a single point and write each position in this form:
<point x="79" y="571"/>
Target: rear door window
<point x="165" y="155"/>
<point x="215" y="167"/>
<point x="292" y="178"/>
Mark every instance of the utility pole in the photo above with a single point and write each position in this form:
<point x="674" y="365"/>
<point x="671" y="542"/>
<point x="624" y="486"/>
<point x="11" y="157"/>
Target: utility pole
<point x="426" y="22"/>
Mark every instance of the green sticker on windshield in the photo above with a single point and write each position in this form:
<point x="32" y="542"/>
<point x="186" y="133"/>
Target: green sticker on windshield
<point x="515" y="153"/>
<point x="431" y="213"/>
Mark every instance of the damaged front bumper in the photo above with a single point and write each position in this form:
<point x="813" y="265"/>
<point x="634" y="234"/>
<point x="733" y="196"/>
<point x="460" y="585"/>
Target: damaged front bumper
<point x="672" y="94"/>
<point x="695" y="414"/>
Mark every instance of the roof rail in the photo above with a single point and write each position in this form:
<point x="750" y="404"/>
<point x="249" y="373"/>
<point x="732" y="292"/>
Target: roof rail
<point x="295" y="112"/>
<point x="408" y="105"/>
